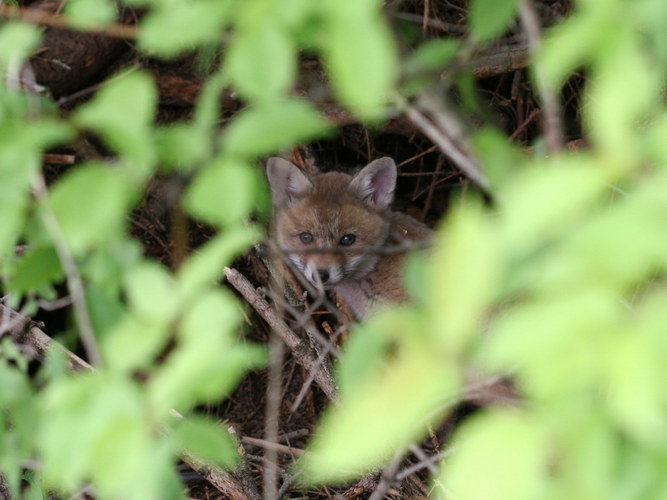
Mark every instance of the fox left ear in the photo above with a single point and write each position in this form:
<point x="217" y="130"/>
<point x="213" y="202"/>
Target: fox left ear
<point x="375" y="183"/>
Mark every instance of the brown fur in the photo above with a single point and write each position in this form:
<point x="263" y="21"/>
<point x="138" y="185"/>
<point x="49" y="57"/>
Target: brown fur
<point x="334" y="208"/>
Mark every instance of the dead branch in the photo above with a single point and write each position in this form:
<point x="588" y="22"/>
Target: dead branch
<point x="301" y="351"/>
<point x="553" y="128"/>
<point x="45" y="18"/>
<point x="25" y="332"/>
<point x="263" y="443"/>
<point x="494" y="61"/>
<point x="445" y="130"/>
<point x="387" y="478"/>
<point x="272" y="420"/>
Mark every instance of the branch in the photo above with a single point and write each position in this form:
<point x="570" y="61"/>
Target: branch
<point x="53" y="20"/>
<point x="74" y="280"/>
<point x="553" y="127"/>
<point x="272" y="420"/>
<point x="446" y="131"/>
<point x="299" y="348"/>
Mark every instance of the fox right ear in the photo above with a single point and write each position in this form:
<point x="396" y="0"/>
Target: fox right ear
<point x="288" y="183"/>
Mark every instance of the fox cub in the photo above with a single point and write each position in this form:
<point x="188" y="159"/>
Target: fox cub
<point x="339" y="231"/>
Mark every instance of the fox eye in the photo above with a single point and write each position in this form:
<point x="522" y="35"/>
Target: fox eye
<point x="306" y="238"/>
<point x="347" y="240"/>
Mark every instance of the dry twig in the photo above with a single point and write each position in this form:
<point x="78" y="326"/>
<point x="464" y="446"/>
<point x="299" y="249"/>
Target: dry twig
<point x="45" y="18"/>
<point x="301" y="351"/>
<point x="553" y="128"/>
<point x="446" y="131"/>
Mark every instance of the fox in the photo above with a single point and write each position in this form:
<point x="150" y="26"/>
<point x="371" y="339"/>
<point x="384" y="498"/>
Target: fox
<point x="339" y="231"/>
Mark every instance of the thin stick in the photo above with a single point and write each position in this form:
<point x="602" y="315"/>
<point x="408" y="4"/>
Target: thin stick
<point x="262" y="443"/>
<point x="272" y="421"/>
<point x="300" y="350"/>
<point x="45" y="18"/>
<point x="553" y="127"/>
<point x="74" y="280"/>
<point x="446" y="144"/>
<point x="387" y="478"/>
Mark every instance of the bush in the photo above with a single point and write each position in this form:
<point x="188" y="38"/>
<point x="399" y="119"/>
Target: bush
<point x="558" y="284"/>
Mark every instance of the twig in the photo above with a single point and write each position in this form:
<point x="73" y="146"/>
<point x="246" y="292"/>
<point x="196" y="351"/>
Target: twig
<point x="262" y="443"/>
<point x="24" y="332"/>
<point x="225" y="482"/>
<point x="74" y="280"/>
<point x="300" y="350"/>
<point x="431" y="189"/>
<point x="553" y="128"/>
<point x="495" y="61"/>
<point x="449" y="28"/>
<point x="45" y="18"/>
<point x="387" y="478"/>
<point x="425" y="462"/>
<point x="272" y="421"/>
<point x="445" y="130"/>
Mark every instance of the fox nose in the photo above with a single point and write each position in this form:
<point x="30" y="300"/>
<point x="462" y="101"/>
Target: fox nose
<point x="324" y="275"/>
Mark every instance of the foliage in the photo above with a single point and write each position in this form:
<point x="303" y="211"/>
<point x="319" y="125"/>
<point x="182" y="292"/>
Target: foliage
<point x="560" y="284"/>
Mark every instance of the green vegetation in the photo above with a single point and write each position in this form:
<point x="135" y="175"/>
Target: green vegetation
<point x="560" y="284"/>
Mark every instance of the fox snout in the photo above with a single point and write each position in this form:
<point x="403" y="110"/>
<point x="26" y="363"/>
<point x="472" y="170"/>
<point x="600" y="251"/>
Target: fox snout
<point x="321" y="269"/>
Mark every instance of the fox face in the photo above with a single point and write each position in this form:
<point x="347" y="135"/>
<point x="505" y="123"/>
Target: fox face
<point x="332" y="226"/>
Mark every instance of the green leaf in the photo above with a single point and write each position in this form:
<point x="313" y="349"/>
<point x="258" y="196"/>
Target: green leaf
<point x="405" y="396"/>
<point x="269" y="127"/>
<point x="491" y="18"/>
<point x="176" y="27"/>
<point x="90" y="203"/>
<point x="151" y="292"/>
<point x="21" y="147"/>
<point x="105" y="308"/>
<point x="636" y="396"/>
<point x="360" y="55"/>
<point x="206" y="440"/>
<point x="262" y="62"/>
<point x="89" y="13"/>
<point x="501" y="159"/>
<point x="182" y="145"/>
<point x="570" y="327"/>
<point x="202" y="372"/>
<point x="508" y="450"/>
<point x="102" y="417"/>
<point x="122" y="113"/>
<point x="133" y="343"/>
<point x="17" y="41"/>
<point x="544" y="186"/>
<point x="432" y="55"/>
<point x="569" y="45"/>
<point x="618" y="248"/>
<point x="204" y="267"/>
<point x="39" y="267"/>
<point x="224" y="193"/>
<point x="468" y="259"/>
<point x="373" y="342"/>
<point x="615" y="105"/>
<point x="215" y="315"/>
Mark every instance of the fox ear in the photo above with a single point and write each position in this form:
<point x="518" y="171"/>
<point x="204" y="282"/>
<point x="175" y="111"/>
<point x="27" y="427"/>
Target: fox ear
<point x="375" y="183"/>
<point x="288" y="183"/>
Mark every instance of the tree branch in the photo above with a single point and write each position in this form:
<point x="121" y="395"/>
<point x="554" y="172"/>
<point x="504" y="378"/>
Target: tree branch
<point x="300" y="350"/>
<point x="553" y="128"/>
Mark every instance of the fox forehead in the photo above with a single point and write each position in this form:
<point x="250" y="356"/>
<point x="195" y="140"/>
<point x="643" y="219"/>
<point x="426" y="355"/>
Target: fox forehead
<point x="328" y="219"/>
